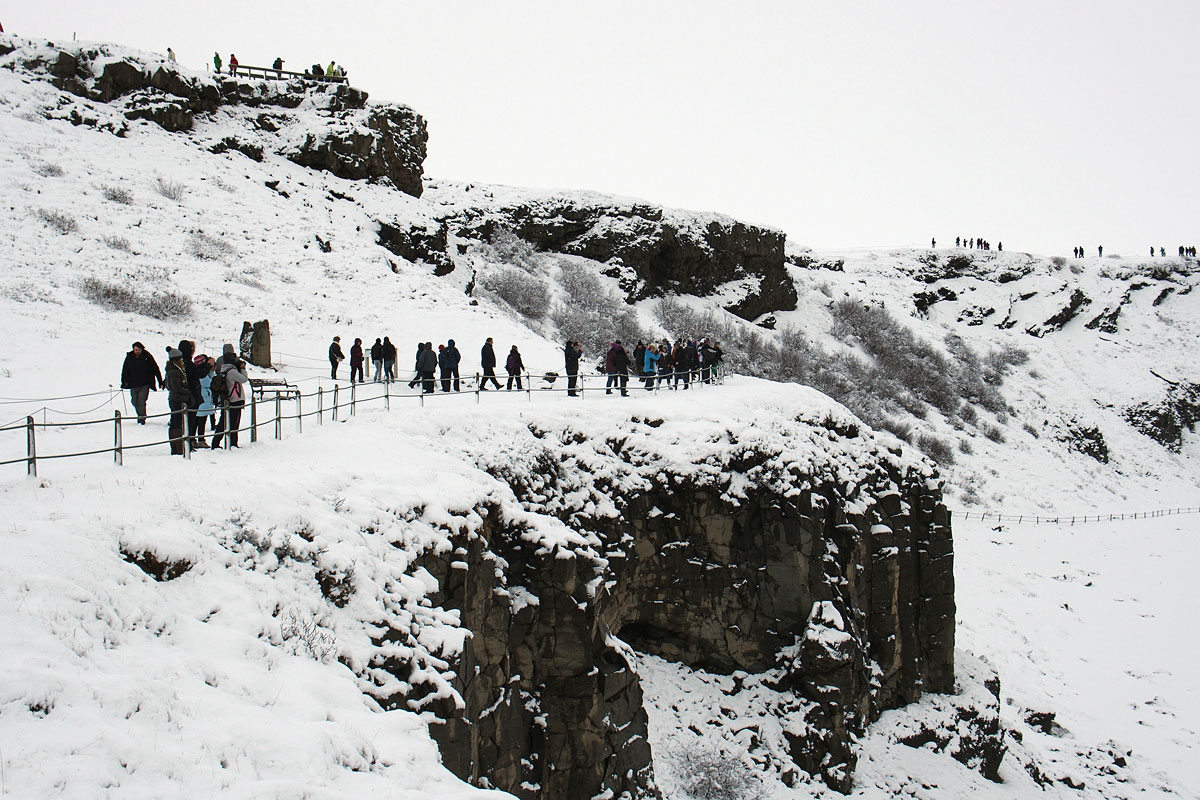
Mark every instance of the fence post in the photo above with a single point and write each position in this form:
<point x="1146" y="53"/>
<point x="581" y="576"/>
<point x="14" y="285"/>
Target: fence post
<point x="529" y="387"/>
<point x="387" y="395"/>
<point x="118" y="457"/>
<point x="335" y="403"/>
<point x="31" y="446"/>
<point x="278" y="418"/>
<point x="353" y="397"/>
<point x="299" y="413"/>
<point x="253" y="418"/>
<point x="320" y="406"/>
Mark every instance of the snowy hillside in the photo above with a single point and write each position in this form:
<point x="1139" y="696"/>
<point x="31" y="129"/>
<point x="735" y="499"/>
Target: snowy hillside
<point x="240" y="677"/>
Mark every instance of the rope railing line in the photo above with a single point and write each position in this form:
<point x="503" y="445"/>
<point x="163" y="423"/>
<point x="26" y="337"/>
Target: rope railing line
<point x="14" y="400"/>
<point x="1075" y="519"/>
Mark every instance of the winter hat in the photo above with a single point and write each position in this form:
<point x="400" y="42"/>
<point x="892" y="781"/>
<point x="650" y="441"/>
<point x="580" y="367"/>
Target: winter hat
<point x="228" y="348"/>
<point x="139" y="344"/>
<point x="450" y="342"/>
<point x="174" y="354"/>
<point x="198" y="360"/>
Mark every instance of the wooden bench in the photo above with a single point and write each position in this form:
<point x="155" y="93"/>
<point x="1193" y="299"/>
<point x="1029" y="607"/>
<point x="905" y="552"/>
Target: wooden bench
<point x="282" y="389"/>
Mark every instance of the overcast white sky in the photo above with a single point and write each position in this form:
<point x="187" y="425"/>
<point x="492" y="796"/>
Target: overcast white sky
<point x="1038" y="124"/>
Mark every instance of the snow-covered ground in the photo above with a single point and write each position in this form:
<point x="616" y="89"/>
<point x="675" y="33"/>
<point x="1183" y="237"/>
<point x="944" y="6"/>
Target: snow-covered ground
<point x="118" y="686"/>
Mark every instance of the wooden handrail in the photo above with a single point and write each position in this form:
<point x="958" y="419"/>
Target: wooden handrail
<point x="279" y="74"/>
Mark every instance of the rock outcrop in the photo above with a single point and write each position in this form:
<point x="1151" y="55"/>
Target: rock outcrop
<point x="358" y="141"/>
<point x="829" y="569"/>
<point x="651" y="250"/>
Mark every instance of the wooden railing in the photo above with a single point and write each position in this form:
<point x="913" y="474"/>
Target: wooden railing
<point x="271" y="73"/>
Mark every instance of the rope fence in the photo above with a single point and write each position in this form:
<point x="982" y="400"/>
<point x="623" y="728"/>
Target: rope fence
<point x="341" y="399"/>
<point x="1070" y="519"/>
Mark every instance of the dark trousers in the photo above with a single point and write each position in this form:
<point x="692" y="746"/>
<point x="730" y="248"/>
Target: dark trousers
<point x="489" y="374"/>
<point x="333" y="365"/>
<point x="356" y="369"/>
<point x="138" y="395"/>
<point x="231" y="420"/>
<point x="175" y="427"/>
<point x="615" y="380"/>
<point x="572" y="382"/>
<point x="427" y="381"/>
<point x="450" y="374"/>
<point x="514" y="377"/>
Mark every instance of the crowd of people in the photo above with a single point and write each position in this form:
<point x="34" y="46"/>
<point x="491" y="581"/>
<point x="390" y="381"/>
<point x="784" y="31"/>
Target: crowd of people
<point x="199" y="387"/>
<point x="334" y="71"/>
<point x="974" y="244"/>
<point x="1184" y="252"/>
<point x="657" y="364"/>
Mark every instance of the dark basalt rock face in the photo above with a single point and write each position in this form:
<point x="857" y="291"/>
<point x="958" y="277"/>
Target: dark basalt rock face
<point x="651" y="251"/>
<point x="843" y="592"/>
<point x="1165" y="420"/>
<point x="358" y="142"/>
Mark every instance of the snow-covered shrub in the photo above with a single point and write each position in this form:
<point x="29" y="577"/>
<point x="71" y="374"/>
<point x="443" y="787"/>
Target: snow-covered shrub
<point x="708" y="773"/>
<point x="1031" y="430"/>
<point x="506" y="247"/>
<point x="160" y="305"/>
<point x="60" y="221"/>
<point x="118" y="194"/>
<point x="305" y="636"/>
<point x="172" y="190"/>
<point x="48" y="170"/>
<point x="938" y="449"/>
<point x="994" y="433"/>
<point x="526" y="294"/>
<point x="117" y="243"/>
<point x="592" y="314"/>
<point x="209" y="248"/>
<point x="1058" y="261"/>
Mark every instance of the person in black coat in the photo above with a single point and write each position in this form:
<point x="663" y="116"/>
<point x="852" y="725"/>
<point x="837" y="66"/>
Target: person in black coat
<point x="356" y="361"/>
<point x="389" y="359"/>
<point x="335" y="356"/>
<point x="178" y="397"/>
<point x="194" y="373"/>
<point x="513" y="366"/>
<point x="487" y="360"/>
<point x="417" y="365"/>
<point x="572" y="352"/>
<point x="141" y="376"/>
<point x="639" y="356"/>
<point x="377" y="358"/>
<point x="449" y="360"/>
<point x="616" y="366"/>
<point x="427" y="364"/>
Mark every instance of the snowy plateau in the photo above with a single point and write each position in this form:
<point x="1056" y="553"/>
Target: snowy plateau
<point x="366" y="605"/>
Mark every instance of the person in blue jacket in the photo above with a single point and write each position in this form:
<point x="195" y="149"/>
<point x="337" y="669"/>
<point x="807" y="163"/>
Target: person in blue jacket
<point x="650" y="365"/>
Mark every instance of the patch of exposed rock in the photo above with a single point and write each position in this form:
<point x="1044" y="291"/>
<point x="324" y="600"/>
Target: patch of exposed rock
<point x="1166" y="419"/>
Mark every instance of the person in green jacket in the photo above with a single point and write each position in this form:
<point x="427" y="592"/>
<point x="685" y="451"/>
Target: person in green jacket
<point x="217" y="62"/>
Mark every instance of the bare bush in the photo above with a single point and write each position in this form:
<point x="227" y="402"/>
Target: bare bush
<point x="593" y="315"/>
<point x="48" y="170"/>
<point x="994" y="432"/>
<point x="306" y="637"/>
<point x="159" y="305"/>
<point x="1031" y="430"/>
<point x="526" y="294"/>
<point x="117" y="243"/>
<point x="62" y="222"/>
<point x="506" y="247"/>
<point x="938" y="449"/>
<point x="170" y="189"/>
<point x="210" y="248"/>
<point x="709" y="773"/>
<point x="118" y="194"/>
<point x="1058" y="261"/>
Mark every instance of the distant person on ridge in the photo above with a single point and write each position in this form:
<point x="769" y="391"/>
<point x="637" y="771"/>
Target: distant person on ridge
<point x="335" y="356"/>
<point x="933" y="244"/>
<point x="141" y="376"/>
<point x="487" y="360"/>
<point x="171" y="55"/>
<point x="278" y="66"/>
<point x="1100" y="251"/>
<point x="217" y="63"/>
<point x="233" y="64"/>
<point x="356" y="361"/>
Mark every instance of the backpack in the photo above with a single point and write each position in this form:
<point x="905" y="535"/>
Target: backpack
<point x="219" y="387"/>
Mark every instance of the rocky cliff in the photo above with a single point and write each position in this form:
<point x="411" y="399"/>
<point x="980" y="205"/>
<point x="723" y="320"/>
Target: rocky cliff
<point x="116" y="87"/>
<point x="811" y="554"/>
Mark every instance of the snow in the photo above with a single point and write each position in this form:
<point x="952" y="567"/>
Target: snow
<point x="239" y="678"/>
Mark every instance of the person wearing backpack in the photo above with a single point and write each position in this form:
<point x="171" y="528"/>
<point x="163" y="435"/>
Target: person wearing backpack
<point x="513" y="365"/>
<point x="235" y="394"/>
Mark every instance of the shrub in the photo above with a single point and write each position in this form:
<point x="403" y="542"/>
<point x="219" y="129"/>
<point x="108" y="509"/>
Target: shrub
<point x="994" y="433"/>
<point x="506" y="247"/>
<point x="209" y="248"/>
<point x="160" y="305"/>
<point x="937" y="449"/>
<point x="118" y="194"/>
<point x="968" y="414"/>
<point x="1058" y="261"/>
<point x="172" y="190"/>
<point x="524" y="293"/>
<point x="707" y="773"/>
<point x="306" y="637"/>
<point x="117" y="243"/>
<point x="964" y="446"/>
<point x="593" y="315"/>
<point x="1031" y="430"/>
<point x="48" y="170"/>
<point x="63" y="223"/>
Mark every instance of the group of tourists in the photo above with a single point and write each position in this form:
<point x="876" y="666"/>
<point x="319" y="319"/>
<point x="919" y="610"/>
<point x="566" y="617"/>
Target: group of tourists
<point x="1079" y="252"/>
<point x="974" y="243"/>
<point x="334" y="71"/>
<point x="661" y="364"/>
<point x="1184" y="252"/>
<point x="198" y="387"/>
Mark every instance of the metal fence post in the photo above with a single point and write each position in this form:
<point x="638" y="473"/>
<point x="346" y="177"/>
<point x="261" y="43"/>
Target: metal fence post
<point x="118" y="456"/>
<point x="529" y="387"/>
<point x="31" y="446"/>
<point x="299" y="413"/>
<point x="335" y="403"/>
<point x="387" y="395"/>
<point x="320" y="406"/>
<point x="278" y="418"/>
<point x="353" y="397"/>
<point x="253" y="418"/>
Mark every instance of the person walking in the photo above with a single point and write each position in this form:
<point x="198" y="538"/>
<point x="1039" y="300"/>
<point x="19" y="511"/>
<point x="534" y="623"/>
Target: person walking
<point x="572" y="352"/>
<point x="487" y="360"/>
<point x="178" y="396"/>
<point x="171" y="55"/>
<point x="388" y="351"/>
<point x="217" y="62"/>
<point x="335" y="356"/>
<point x="356" y="361"/>
<point x="616" y="366"/>
<point x="514" y="366"/>
<point x="141" y="376"/>
<point x="417" y="365"/>
<point x="427" y="364"/>
<point x="377" y="358"/>
<point x="449" y="360"/>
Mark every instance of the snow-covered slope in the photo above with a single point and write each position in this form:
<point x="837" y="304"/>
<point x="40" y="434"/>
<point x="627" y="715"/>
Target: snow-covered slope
<point x="219" y="682"/>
